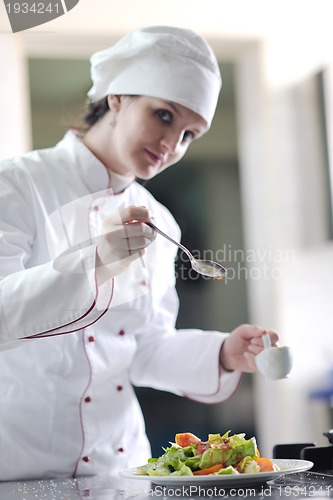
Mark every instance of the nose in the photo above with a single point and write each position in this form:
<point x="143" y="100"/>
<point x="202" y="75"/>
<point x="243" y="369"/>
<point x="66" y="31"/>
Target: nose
<point x="171" y="142"/>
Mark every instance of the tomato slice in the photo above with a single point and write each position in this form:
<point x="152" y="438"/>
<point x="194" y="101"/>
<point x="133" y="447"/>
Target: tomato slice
<point x="265" y="464"/>
<point x="186" y="438"/>
<point x="209" y="470"/>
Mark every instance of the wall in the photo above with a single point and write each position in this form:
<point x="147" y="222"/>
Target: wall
<point x="286" y="210"/>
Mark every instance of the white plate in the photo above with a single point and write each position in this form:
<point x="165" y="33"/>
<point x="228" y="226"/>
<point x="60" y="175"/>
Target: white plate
<point x="286" y="467"/>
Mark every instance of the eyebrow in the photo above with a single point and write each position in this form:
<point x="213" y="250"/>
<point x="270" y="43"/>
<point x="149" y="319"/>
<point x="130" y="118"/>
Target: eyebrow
<point x="176" y="110"/>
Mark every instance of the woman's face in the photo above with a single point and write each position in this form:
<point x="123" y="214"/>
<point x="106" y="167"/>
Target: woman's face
<point x="150" y="134"/>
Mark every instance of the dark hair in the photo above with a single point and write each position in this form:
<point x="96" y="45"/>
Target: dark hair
<point x="95" y="111"/>
<point x="88" y="116"/>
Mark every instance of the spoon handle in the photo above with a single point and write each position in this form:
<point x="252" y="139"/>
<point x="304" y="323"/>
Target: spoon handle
<point x="188" y="253"/>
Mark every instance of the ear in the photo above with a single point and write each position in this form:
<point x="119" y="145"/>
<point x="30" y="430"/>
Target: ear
<point x="114" y="102"/>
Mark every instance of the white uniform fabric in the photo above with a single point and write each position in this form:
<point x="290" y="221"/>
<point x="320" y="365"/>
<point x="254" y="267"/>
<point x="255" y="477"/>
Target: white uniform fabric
<point x="67" y="403"/>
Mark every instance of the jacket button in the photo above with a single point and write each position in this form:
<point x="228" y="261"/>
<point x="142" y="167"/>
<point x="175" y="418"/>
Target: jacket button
<point x="86" y="459"/>
<point x="120" y="450"/>
<point x="119" y="387"/>
<point x="144" y="283"/>
<point x="88" y="399"/>
<point x="121" y="332"/>
<point x="91" y="339"/>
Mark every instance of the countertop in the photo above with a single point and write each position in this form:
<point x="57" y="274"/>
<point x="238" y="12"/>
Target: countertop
<point x="300" y="485"/>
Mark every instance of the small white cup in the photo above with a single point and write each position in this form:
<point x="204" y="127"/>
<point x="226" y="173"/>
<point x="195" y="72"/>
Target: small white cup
<point x="274" y="362"/>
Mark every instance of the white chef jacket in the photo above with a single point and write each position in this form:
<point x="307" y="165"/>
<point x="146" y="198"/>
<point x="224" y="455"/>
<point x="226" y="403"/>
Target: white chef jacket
<point x="71" y="351"/>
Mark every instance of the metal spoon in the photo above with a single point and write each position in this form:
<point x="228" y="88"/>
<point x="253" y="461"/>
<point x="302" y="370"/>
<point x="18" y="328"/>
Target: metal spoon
<point x="204" y="267"/>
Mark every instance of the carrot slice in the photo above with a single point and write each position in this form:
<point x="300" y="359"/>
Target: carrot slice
<point x="209" y="470"/>
<point x="265" y="464"/>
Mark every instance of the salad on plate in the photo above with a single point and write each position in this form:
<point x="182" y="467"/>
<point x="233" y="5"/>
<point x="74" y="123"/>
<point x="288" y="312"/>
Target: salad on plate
<point x="219" y="455"/>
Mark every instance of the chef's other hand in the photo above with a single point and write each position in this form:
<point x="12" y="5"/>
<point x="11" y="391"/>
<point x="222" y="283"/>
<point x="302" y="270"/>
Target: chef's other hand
<point x="124" y="238"/>
<point x="240" y="348"/>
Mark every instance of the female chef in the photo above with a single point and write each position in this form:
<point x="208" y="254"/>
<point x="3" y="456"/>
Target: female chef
<point x="88" y="302"/>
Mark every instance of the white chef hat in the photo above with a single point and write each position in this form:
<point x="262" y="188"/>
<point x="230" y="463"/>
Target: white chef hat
<point x="170" y="63"/>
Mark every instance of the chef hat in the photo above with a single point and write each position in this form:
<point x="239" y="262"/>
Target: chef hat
<point x="170" y="63"/>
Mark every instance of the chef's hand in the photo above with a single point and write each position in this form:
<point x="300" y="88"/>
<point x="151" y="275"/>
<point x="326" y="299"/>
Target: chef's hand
<point x="124" y="238"/>
<point x="240" y="348"/>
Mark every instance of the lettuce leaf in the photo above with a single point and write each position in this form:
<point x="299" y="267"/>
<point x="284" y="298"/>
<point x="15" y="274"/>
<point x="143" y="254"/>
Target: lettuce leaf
<point x="214" y="456"/>
<point x="248" y="465"/>
<point x="183" y="471"/>
<point x="241" y="448"/>
<point x="227" y="470"/>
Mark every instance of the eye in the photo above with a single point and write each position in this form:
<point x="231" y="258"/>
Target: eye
<point x="188" y="136"/>
<point x="164" y="115"/>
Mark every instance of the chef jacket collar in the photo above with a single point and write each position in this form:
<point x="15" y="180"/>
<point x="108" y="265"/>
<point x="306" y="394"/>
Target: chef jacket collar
<point x="119" y="182"/>
<point x="94" y="172"/>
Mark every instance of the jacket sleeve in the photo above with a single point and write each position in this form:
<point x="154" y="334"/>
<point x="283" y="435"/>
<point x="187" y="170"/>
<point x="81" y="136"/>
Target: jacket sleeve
<point x="184" y="362"/>
<point x="41" y="300"/>
<point x="187" y="364"/>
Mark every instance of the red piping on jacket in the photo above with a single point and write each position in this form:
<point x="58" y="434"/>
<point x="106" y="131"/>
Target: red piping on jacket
<point x="80" y="406"/>
<point x="47" y="332"/>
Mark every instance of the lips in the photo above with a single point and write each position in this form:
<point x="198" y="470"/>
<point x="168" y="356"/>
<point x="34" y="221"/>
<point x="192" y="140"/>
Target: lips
<point x="153" y="157"/>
